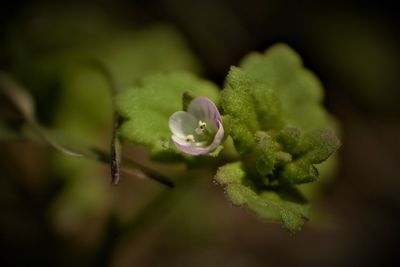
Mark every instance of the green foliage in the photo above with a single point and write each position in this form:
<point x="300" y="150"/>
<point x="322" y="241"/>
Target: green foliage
<point x="284" y="205"/>
<point x="54" y="57"/>
<point x="272" y="111"/>
<point x="69" y="38"/>
<point x="237" y="99"/>
<point x="266" y="152"/>
<point x="251" y="105"/>
<point x="237" y="102"/>
<point x="243" y="138"/>
<point x="275" y="125"/>
<point x="318" y="145"/>
<point x="281" y="131"/>
<point x="289" y="139"/>
<point x="147" y="108"/>
<point x="313" y="148"/>
<point x="299" y="90"/>
<point x="298" y="172"/>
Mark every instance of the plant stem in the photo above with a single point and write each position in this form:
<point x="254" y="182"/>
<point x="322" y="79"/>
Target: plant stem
<point x="115" y="147"/>
<point x="24" y="104"/>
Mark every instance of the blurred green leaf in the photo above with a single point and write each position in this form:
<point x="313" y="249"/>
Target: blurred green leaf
<point x="66" y="37"/>
<point x="285" y="205"/>
<point x="23" y="102"/>
<point x="298" y="89"/>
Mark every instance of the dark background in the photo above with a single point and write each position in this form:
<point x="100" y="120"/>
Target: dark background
<point x="353" y="47"/>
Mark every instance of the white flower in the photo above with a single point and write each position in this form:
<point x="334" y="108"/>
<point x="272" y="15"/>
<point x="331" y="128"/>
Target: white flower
<point x="199" y="130"/>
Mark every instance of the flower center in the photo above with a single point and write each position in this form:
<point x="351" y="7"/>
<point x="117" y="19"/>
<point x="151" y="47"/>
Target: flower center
<point x="201" y="134"/>
<point x="201" y="127"/>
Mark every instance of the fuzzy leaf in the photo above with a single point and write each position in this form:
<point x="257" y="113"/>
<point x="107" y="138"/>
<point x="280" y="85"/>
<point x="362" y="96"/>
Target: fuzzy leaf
<point x="295" y="102"/>
<point x="147" y="108"/>
<point x="285" y="205"/>
<point x="299" y="172"/>
<point x="251" y="105"/>
<point x="267" y="150"/>
<point x="242" y="137"/>
<point x="237" y="100"/>
<point x="313" y="148"/>
<point x="252" y="102"/>
<point x="289" y="139"/>
<point x="318" y="145"/>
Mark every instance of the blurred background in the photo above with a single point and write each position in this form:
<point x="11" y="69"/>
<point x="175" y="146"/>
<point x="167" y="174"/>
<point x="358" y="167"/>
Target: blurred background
<point x="60" y="211"/>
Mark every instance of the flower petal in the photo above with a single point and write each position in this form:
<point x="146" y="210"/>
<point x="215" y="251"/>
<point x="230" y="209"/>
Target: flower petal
<point x="183" y="142"/>
<point x="182" y="123"/>
<point x="194" y="149"/>
<point x="204" y="109"/>
<point x="218" y="136"/>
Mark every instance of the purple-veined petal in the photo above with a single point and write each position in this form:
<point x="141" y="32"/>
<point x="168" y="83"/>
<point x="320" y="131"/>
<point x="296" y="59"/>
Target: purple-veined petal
<point x="204" y="109"/>
<point x="182" y="123"/>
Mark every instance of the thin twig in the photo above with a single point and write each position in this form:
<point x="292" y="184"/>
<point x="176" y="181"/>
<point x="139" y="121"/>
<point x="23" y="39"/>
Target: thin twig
<point x="115" y="141"/>
<point x="129" y="165"/>
<point x="24" y="104"/>
<point x="115" y="154"/>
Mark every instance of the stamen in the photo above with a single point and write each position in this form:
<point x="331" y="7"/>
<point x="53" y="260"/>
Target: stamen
<point x="201" y="127"/>
<point x="190" y="138"/>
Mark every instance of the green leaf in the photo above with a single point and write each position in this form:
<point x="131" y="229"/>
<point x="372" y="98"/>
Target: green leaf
<point x="271" y="91"/>
<point x="252" y="102"/>
<point x="282" y="68"/>
<point x="147" y="108"/>
<point x="73" y="36"/>
<point x="156" y="48"/>
<point x="251" y="105"/>
<point x="237" y="100"/>
<point x="313" y="148"/>
<point x="266" y="152"/>
<point x="318" y="145"/>
<point x="298" y="89"/>
<point x="285" y="205"/>
<point x="289" y="139"/>
<point x="56" y="60"/>
<point x="242" y="137"/>
<point x="299" y="172"/>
